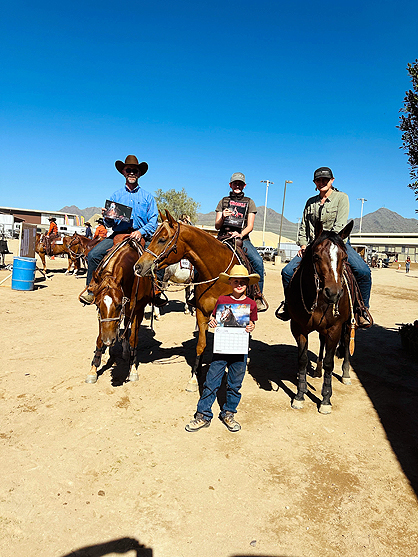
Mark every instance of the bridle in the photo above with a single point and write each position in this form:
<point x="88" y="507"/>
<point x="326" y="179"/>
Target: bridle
<point x="318" y="289"/>
<point x="170" y="247"/>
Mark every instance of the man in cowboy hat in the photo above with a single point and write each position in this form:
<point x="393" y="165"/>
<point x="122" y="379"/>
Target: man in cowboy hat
<point x="51" y="235"/>
<point x="143" y="221"/>
<point x="239" y="280"/>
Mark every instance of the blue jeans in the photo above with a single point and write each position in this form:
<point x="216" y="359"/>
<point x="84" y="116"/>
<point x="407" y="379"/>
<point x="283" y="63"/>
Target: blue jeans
<point x="236" y="364"/>
<point x="96" y="255"/>
<point x="360" y="270"/>
<point x="256" y="261"/>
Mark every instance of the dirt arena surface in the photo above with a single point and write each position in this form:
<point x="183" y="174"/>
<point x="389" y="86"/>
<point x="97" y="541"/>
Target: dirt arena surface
<point x="108" y="469"/>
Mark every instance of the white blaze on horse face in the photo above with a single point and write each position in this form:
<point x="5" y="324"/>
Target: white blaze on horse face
<point x="333" y="252"/>
<point x="108" y="302"/>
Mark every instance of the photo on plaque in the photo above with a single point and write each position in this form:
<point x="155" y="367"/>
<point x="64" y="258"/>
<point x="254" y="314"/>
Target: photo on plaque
<point x="117" y="211"/>
<point x="239" y="211"/>
<point x="233" y="315"/>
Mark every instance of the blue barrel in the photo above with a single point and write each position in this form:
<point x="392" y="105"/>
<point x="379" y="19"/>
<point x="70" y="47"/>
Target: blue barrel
<point x="23" y="275"/>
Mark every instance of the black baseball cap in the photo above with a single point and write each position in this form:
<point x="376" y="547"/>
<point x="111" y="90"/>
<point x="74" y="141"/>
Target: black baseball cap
<point x="323" y="172"/>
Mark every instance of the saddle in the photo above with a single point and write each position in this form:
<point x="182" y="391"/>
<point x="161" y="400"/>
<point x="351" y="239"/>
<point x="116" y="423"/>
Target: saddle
<point x="360" y="310"/>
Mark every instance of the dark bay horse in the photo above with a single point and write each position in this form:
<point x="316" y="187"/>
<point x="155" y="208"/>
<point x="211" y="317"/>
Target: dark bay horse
<point x="174" y="241"/>
<point x="318" y="300"/>
<point x="120" y="297"/>
<point x="57" y="249"/>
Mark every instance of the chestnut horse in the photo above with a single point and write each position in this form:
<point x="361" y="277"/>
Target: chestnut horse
<point x="120" y="296"/>
<point x="80" y="246"/>
<point x="57" y="249"/>
<point x="318" y="300"/>
<point x="174" y="241"/>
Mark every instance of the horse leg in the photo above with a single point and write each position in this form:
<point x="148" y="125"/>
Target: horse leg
<point x="67" y="272"/>
<point x="345" y="349"/>
<point x="318" y="369"/>
<point x="302" y="342"/>
<point x="325" y="406"/>
<point x="97" y="358"/>
<point x="43" y="259"/>
<point x="202" y="321"/>
<point x="133" y="341"/>
<point x="186" y="305"/>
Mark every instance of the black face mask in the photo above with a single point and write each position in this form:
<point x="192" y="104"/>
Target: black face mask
<point x="234" y="195"/>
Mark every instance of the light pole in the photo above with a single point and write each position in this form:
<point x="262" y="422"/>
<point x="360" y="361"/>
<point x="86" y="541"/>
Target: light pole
<point x="281" y="218"/>
<point x="267" y="182"/>
<point x="361" y="214"/>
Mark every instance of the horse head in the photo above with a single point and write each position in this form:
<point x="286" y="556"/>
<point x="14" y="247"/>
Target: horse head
<point x="162" y="246"/>
<point x="328" y="257"/>
<point x="110" y="302"/>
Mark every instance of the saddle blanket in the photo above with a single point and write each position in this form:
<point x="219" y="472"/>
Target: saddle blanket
<point x="59" y="242"/>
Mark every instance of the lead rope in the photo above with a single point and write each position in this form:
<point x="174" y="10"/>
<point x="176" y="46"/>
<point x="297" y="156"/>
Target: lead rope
<point x="353" y="321"/>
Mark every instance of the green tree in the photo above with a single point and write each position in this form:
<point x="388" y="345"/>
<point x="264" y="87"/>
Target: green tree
<point x="177" y="202"/>
<point x="409" y="126"/>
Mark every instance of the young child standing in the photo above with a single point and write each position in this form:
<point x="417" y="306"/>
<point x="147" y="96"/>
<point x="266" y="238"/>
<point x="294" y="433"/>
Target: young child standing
<point x="239" y="279"/>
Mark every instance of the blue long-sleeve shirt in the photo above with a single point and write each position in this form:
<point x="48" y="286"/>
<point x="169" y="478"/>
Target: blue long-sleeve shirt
<point x="144" y="211"/>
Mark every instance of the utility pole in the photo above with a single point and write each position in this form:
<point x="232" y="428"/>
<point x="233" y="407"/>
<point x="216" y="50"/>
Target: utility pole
<point x="267" y="182"/>
<point x="361" y="214"/>
<point x="281" y="218"/>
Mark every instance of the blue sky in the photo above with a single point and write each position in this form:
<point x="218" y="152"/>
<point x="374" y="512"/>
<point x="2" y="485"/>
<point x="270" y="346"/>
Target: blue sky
<point x="200" y="90"/>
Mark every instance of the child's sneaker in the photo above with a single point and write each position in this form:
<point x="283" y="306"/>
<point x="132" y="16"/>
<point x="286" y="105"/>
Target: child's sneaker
<point x="197" y="423"/>
<point x="229" y="420"/>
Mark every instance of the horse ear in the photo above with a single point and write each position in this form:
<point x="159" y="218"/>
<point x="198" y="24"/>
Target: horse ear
<point x="346" y="231"/>
<point x="162" y="217"/>
<point x="318" y="229"/>
<point x="170" y="219"/>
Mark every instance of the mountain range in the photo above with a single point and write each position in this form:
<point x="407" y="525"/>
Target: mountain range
<point x="382" y="220"/>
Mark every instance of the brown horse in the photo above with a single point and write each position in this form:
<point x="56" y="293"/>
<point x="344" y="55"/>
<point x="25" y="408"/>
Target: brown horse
<point x="57" y="249"/>
<point x="318" y="300"/>
<point x="80" y="246"/>
<point x="120" y="296"/>
<point x="174" y="241"/>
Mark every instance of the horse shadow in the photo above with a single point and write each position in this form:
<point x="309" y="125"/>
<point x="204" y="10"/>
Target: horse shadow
<point x="119" y="546"/>
<point x="272" y="377"/>
<point x="390" y="377"/>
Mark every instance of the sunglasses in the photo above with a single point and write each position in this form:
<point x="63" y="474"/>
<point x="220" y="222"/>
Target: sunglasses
<point x="131" y="170"/>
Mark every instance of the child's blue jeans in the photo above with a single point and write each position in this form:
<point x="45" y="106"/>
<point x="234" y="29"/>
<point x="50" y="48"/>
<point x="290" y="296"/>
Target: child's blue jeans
<point x="236" y="364"/>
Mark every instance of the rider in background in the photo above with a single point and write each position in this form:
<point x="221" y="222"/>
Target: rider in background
<point x="142" y="224"/>
<point x="51" y="235"/>
<point x="235" y="215"/>
<point x="331" y="208"/>
<point x="88" y="234"/>
<point x="101" y="230"/>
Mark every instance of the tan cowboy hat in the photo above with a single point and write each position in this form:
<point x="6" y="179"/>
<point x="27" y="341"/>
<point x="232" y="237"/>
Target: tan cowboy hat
<point x="131" y="160"/>
<point x="239" y="271"/>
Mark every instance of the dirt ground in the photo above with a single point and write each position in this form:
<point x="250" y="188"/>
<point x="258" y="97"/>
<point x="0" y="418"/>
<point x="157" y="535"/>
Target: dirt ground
<point x="108" y="469"/>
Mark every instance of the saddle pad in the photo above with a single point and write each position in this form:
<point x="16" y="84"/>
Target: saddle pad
<point x="58" y="242"/>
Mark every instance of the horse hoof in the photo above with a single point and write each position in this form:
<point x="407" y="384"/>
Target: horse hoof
<point x="346" y="381"/>
<point x="133" y="377"/>
<point x="91" y="379"/>
<point x="325" y="409"/>
<point x="297" y="404"/>
<point x="192" y="385"/>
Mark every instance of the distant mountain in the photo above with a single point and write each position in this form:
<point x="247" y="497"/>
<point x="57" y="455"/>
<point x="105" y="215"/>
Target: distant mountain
<point x="86" y="213"/>
<point x="384" y="220"/>
<point x="289" y="229"/>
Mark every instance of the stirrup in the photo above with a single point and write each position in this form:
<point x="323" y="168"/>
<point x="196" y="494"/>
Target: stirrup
<point x="283" y="315"/>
